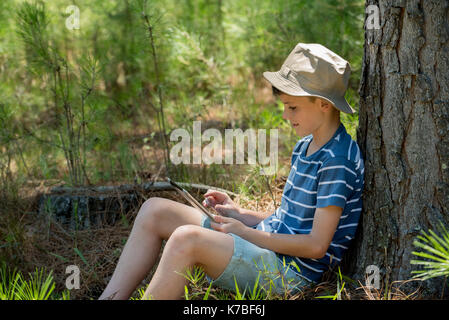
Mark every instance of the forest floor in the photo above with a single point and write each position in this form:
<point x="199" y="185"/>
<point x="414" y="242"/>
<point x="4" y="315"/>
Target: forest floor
<point x="41" y="242"/>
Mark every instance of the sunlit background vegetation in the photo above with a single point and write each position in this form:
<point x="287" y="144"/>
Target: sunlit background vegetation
<point x="88" y="106"/>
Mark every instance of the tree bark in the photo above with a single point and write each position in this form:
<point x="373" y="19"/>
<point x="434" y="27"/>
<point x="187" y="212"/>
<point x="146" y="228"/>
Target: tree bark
<point x="404" y="136"/>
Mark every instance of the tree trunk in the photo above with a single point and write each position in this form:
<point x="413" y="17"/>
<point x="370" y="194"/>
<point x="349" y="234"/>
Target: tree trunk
<point x="404" y="136"/>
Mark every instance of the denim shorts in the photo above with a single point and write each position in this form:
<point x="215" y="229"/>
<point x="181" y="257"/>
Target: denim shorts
<point x="250" y="262"/>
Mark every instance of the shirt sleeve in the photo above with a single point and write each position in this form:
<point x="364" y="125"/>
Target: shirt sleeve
<point x="336" y="182"/>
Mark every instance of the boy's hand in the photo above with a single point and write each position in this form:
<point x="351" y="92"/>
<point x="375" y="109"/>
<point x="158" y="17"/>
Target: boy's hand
<point x="228" y="225"/>
<point x="221" y="202"/>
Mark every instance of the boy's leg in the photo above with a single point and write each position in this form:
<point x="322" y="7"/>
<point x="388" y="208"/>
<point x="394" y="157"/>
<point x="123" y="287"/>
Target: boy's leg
<point x="156" y="221"/>
<point x="189" y="245"/>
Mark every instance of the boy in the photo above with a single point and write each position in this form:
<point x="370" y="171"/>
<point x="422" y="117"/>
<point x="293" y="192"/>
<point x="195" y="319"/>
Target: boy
<point x="314" y="225"/>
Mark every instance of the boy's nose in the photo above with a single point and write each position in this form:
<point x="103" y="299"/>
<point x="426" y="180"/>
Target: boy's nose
<point x="284" y="115"/>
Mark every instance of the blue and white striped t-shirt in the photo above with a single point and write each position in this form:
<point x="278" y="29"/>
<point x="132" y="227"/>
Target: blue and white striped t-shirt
<point x="333" y="175"/>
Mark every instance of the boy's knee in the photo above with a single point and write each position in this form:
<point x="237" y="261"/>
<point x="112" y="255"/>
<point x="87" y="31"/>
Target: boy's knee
<point x="150" y="211"/>
<point x="153" y="203"/>
<point x="185" y="239"/>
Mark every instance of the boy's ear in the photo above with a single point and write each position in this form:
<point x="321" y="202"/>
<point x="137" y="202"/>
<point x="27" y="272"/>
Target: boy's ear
<point x="326" y="105"/>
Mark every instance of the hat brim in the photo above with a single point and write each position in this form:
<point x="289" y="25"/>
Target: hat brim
<point x="293" y="89"/>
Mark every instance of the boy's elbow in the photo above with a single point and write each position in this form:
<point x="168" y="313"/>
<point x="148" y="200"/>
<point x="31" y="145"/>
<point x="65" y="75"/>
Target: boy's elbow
<point x="319" y="251"/>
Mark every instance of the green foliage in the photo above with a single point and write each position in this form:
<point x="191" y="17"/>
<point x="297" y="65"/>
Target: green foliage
<point x="7" y="154"/>
<point x="32" y="25"/>
<point x="140" y="295"/>
<point x="13" y="286"/>
<point x="37" y="288"/>
<point x="90" y="90"/>
<point x="337" y="24"/>
<point x="9" y="282"/>
<point x="44" y="59"/>
<point x="435" y="251"/>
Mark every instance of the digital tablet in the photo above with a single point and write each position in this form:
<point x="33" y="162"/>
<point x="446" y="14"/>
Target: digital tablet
<point x="191" y="199"/>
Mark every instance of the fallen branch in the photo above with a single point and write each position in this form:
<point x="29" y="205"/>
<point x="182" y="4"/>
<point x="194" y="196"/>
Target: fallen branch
<point x="149" y="186"/>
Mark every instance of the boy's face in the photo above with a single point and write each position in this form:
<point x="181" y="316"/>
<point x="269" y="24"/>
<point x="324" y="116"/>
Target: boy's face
<point x="305" y="116"/>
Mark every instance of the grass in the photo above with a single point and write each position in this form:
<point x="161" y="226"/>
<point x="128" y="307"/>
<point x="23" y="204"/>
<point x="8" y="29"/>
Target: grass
<point x="337" y="287"/>
<point x="38" y="286"/>
<point x="42" y="285"/>
<point x="34" y="242"/>
<point x="435" y="253"/>
<point x="31" y="242"/>
<point x="340" y="287"/>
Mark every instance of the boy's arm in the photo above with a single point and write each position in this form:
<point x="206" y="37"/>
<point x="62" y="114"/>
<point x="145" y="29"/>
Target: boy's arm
<point x="313" y="245"/>
<point x="251" y="218"/>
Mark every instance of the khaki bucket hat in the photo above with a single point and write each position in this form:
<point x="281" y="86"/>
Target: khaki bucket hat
<point x="314" y="70"/>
